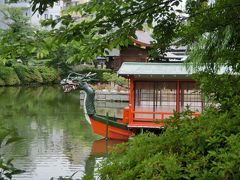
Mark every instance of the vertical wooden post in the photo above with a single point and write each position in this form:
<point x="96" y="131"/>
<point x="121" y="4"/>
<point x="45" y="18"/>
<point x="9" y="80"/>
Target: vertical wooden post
<point x="182" y="96"/>
<point x="203" y="101"/>
<point x="131" y="100"/>
<point x="154" y="99"/>
<point x="178" y="97"/>
<point x="107" y="127"/>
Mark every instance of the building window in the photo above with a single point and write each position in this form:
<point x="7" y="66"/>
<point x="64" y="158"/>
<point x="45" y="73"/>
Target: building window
<point x="45" y="16"/>
<point x="51" y="16"/>
<point x="37" y="15"/>
<point x="57" y="16"/>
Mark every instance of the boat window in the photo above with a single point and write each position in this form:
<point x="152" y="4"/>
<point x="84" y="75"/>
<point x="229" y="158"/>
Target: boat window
<point x="190" y="97"/>
<point x="161" y="96"/>
<point x="154" y="97"/>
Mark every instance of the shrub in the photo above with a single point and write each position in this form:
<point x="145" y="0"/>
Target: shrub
<point x="2" y="83"/>
<point x="99" y="73"/>
<point x="1" y="62"/>
<point x="9" y="76"/>
<point x="105" y="76"/>
<point x="206" y="147"/>
<point x="8" y="63"/>
<point x="221" y="89"/>
<point x="28" y="74"/>
<point x="8" y="136"/>
<point x="49" y="75"/>
<point x="113" y="77"/>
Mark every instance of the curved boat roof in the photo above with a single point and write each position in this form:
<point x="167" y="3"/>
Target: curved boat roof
<point x="157" y="70"/>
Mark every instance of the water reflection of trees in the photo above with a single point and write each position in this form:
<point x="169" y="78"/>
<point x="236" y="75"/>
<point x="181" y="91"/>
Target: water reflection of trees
<point x="44" y="115"/>
<point x="51" y="122"/>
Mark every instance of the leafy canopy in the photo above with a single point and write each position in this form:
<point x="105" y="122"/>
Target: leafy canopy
<point x="19" y="40"/>
<point x="210" y="30"/>
<point x="212" y="33"/>
<point x="108" y="24"/>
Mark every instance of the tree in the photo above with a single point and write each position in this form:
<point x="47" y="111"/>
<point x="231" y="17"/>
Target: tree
<point x="210" y="30"/>
<point x="108" y="24"/>
<point x="17" y="39"/>
<point x="212" y="34"/>
<point x="20" y="40"/>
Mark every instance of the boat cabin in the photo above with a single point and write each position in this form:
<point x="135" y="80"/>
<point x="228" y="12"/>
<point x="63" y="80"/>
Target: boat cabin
<point x="156" y="90"/>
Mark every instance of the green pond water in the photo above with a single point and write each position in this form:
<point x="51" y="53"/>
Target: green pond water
<point x="58" y="141"/>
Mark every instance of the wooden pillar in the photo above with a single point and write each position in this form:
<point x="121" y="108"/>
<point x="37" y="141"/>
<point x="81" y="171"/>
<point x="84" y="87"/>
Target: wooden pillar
<point x="154" y="99"/>
<point x="178" y="97"/>
<point x="182" y="96"/>
<point x="131" y="100"/>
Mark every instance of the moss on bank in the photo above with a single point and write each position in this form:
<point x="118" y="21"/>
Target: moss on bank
<point x="28" y="74"/>
<point x="8" y="76"/>
<point x="24" y="75"/>
<point x="2" y="83"/>
<point x="49" y="75"/>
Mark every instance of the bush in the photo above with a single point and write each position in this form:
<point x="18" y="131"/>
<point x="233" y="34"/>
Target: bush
<point x="28" y="74"/>
<point x="9" y="76"/>
<point x="206" y="147"/>
<point x="1" y="62"/>
<point x="99" y="73"/>
<point x="8" y="63"/>
<point x="105" y="76"/>
<point x="21" y="74"/>
<point x="49" y="75"/>
<point x="220" y="89"/>
<point x="2" y="83"/>
<point x="113" y="77"/>
<point x="8" y="136"/>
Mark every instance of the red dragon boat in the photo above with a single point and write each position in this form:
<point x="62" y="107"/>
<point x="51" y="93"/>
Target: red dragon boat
<point x="156" y="90"/>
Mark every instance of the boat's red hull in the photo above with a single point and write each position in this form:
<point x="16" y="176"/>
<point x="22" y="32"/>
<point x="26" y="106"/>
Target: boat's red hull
<point x="109" y="131"/>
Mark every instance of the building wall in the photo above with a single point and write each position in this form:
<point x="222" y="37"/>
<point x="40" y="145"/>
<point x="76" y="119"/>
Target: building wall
<point x="129" y="54"/>
<point x="50" y="13"/>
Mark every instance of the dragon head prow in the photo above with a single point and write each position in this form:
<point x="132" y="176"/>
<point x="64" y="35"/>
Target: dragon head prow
<point x="76" y="81"/>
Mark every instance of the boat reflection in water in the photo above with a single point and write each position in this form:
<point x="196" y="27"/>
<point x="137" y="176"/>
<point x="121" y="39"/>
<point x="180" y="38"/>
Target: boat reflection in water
<point x="100" y="149"/>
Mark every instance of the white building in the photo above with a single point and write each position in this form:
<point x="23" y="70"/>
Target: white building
<point x="51" y="13"/>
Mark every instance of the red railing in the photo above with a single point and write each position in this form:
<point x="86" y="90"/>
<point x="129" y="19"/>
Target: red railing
<point x="162" y="115"/>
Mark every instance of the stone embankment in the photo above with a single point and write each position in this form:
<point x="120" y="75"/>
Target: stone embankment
<point x="105" y="95"/>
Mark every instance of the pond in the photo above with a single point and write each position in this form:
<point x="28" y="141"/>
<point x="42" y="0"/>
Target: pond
<point x="57" y="140"/>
